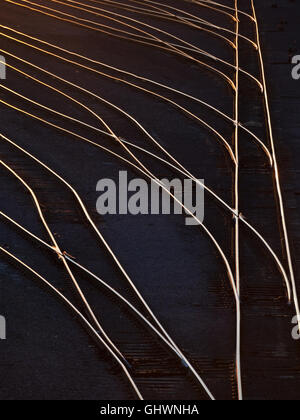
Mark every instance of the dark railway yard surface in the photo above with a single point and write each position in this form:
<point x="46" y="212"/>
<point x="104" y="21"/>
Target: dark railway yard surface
<point x="47" y="353"/>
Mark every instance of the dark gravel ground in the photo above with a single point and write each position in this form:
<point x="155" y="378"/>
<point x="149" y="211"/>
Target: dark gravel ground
<point x="47" y="354"/>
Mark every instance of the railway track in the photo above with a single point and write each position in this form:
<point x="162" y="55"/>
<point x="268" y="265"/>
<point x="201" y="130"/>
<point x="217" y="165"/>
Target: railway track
<point x="115" y="104"/>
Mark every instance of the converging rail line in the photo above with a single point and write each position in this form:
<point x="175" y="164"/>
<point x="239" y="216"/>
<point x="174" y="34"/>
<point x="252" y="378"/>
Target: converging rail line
<point x="144" y="23"/>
